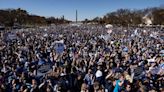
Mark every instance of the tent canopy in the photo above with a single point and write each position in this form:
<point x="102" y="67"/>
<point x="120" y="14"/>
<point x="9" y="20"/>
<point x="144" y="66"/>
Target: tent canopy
<point x="109" y="26"/>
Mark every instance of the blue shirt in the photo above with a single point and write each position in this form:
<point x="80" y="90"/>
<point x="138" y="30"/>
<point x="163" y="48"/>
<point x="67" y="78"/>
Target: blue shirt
<point x="117" y="87"/>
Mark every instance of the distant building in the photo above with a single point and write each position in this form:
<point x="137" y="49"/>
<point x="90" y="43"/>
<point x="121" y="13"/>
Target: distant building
<point x="2" y="27"/>
<point x="16" y="26"/>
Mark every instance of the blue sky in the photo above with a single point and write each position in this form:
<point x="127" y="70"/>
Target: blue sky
<point x="86" y="8"/>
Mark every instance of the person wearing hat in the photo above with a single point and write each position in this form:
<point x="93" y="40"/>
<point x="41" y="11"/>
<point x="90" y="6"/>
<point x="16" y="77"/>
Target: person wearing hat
<point x="99" y="74"/>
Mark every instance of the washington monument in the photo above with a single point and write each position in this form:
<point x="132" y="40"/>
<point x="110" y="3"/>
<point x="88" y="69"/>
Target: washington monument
<point x="76" y="16"/>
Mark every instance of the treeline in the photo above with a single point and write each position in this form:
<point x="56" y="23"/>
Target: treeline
<point x="125" y="17"/>
<point x="10" y="17"/>
<point x="131" y="17"/>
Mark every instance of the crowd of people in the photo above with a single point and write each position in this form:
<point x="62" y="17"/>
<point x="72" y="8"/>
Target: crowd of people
<point x="85" y="58"/>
